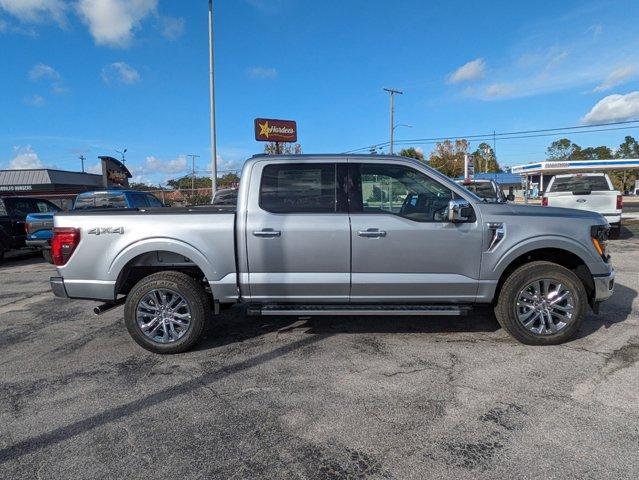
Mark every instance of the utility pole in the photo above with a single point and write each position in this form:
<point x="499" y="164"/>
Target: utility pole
<point x="82" y="159"/>
<point x="193" y="157"/>
<point x="212" y="104"/>
<point x="392" y="93"/>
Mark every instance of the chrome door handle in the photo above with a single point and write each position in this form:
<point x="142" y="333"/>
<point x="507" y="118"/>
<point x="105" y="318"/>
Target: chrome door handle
<point x="372" y="233"/>
<point x="267" y="233"/>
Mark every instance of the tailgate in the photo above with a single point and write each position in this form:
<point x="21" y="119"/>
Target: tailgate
<point x="600" y="202"/>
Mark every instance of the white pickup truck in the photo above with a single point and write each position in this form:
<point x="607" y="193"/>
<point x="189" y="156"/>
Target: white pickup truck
<point x="585" y="191"/>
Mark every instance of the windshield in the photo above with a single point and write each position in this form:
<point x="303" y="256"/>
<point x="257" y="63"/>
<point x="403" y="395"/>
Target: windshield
<point x="579" y="183"/>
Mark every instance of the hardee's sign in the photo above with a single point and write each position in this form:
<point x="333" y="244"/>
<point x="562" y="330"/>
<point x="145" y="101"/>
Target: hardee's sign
<point x="272" y="130"/>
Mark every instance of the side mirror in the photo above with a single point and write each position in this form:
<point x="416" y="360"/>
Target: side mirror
<point x="459" y="211"/>
<point x="510" y="198"/>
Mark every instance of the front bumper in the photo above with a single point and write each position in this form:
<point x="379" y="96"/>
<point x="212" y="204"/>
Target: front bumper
<point x="604" y="286"/>
<point x="57" y="287"/>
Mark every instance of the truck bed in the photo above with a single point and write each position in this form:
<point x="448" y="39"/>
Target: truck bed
<point x="110" y="240"/>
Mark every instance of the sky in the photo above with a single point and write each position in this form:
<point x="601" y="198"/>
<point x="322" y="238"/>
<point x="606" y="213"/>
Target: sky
<point x="90" y="77"/>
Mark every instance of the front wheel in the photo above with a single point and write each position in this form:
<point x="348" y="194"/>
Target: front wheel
<point x="542" y="303"/>
<point x="166" y="312"/>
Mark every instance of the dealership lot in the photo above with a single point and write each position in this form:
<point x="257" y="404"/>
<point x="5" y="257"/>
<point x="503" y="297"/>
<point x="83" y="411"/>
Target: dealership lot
<point x="315" y="398"/>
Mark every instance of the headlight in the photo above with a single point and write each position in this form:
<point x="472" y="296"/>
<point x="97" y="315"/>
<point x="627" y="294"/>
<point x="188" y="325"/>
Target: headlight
<point x="599" y="236"/>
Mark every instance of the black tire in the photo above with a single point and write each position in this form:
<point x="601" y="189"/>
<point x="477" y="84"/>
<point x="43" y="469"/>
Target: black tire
<point x="1" y="253"/>
<point x="185" y="286"/>
<point x="506" y="307"/>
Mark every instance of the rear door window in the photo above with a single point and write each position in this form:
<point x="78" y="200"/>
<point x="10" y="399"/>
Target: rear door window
<point x="153" y="202"/>
<point x="138" y="200"/>
<point x="45" y="207"/>
<point x="21" y="207"/>
<point x="300" y="188"/>
<point x="3" y="210"/>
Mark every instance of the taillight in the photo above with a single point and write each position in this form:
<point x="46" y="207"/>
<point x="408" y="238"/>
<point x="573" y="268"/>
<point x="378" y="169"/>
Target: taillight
<point x="63" y="244"/>
<point x="619" y="202"/>
<point x="544" y="201"/>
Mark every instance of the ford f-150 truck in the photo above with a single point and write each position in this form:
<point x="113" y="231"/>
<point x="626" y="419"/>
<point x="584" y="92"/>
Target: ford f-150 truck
<point x="585" y="191"/>
<point x="337" y="235"/>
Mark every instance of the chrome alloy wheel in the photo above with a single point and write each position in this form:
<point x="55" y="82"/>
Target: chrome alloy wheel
<point x="163" y="315"/>
<point x="545" y="306"/>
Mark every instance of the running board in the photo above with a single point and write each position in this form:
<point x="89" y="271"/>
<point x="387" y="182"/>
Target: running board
<point x="311" y="310"/>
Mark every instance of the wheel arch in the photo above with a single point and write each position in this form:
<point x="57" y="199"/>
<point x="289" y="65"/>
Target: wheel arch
<point x="154" y="255"/>
<point x="559" y="256"/>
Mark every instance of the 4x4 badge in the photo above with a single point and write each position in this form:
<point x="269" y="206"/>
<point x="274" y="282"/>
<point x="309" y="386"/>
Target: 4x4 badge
<point x="105" y="230"/>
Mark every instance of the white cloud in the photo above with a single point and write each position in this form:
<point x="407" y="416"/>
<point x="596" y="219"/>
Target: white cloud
<point x="617" y="77"/>
<point x="36" y="11"/>
<point x="172" y="28"/>
<point x="473" y="70"/>
<point x="499" y="90"/>
<point x="95" y="168"/>
<point x="34" y="101"/>
<point x="25" y="157"/>
<point x="41" y="70"/>
<point x="262" y="72"/>
<point x="614" y="108"/>
<point x="112" y="22"/>
<point x="120" y="72"/>
<point x="153" y="164"/>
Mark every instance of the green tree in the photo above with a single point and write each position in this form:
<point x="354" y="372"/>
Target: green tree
<point x="563" y="150"/>
<point x="285" y="148"/>
<point x="595" y="153"/>
<point x="484" y="159"/>
<point x="448" y="157"/>
<point x="412" y="152"/>
<point x="624" y="180"/>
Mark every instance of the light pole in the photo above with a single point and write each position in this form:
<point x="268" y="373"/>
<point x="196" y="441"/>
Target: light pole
<point x="486" y="150"/>
<point x="392" y="93"/>
<point x="121" y="153"/>
<point x="193" y="157"/>
<point x="212" y="104"/>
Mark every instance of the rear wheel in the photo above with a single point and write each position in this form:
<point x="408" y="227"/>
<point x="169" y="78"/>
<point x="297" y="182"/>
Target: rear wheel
<point x="542" y="303"/>
<point x="166" y="312"/>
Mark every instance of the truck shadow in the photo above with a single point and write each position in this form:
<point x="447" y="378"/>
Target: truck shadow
<point x="615" y="310"/>
<point x="17" y="259"/>
<point x="234" y="325"/>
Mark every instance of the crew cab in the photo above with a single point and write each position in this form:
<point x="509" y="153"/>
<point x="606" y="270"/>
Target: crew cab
<point x="13" y="212"/>
<point x="39" y="226"/>
<point x="336" y="235"/>
<point x="585" y="191"/>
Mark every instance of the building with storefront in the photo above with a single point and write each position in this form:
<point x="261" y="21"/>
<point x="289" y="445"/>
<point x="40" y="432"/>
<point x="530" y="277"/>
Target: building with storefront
<point x="59" y="186"/>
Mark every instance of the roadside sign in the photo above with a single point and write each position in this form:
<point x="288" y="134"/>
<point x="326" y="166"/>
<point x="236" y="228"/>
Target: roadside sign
<point x="273" y="130"/>
<point x="469" y="165"/>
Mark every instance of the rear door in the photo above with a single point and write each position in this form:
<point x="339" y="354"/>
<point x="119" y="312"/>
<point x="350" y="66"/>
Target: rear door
<point x="404" y="248"/>
<point x="298" y="232"/>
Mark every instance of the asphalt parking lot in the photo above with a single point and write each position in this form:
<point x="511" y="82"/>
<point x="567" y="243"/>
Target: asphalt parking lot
<point x="315" y="398"/>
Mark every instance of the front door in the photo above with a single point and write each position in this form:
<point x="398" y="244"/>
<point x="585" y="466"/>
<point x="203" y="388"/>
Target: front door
<point x="298" y="233"/>
<point x="404" y="248"/>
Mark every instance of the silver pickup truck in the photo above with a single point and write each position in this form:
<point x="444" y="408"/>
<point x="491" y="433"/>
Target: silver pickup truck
<point x="337" y="235"/>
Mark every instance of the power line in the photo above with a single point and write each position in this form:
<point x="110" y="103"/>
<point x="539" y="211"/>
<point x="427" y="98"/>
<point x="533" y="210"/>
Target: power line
<point x="548" y="132"/>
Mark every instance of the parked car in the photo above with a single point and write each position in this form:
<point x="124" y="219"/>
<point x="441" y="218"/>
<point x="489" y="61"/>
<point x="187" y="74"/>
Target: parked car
<point x="487" y="189"/>
<point x="303" y="241"/>
<point x="225" y="197"/>
<point x="585" y="191"/>
<point x="39" y="226"/>
<point x="13" y="212"/>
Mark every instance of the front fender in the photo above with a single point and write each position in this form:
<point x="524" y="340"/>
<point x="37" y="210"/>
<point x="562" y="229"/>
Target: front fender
<point x="499" y="262"/>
